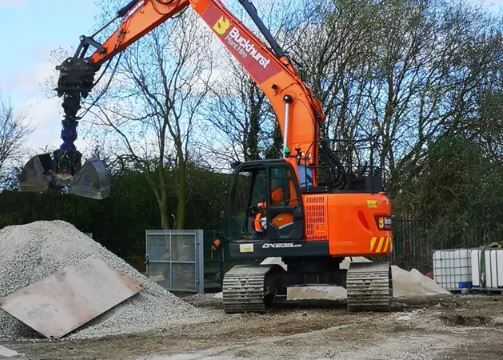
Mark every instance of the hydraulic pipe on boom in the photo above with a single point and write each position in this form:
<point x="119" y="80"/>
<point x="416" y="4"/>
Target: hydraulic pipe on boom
<point x="288" y="101"/>
<point x="252" y="11"/>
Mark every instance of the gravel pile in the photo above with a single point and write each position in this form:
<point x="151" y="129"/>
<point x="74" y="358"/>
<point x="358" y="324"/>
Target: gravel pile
<point x="34" y="251"/>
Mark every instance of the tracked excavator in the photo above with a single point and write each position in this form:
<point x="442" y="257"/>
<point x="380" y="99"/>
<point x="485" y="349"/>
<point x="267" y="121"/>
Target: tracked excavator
<point x="306" y="207"/>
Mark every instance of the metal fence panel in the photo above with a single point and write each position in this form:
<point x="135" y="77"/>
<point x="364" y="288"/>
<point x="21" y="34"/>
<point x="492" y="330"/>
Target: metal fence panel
<point x="175" y="259"/>
<point x="415" y="241"/>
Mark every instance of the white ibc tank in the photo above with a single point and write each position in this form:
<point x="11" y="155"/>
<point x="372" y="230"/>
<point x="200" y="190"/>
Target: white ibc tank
<point x="475" y="260"/>
<point x="487" y="268"/>
<point x="498" y="265"/>
<point x="452" y="268"/>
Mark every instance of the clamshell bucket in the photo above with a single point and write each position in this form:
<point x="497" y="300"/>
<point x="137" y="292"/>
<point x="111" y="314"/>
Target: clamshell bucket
<point x="36" y="174"/>
<point x="90" y="181"/>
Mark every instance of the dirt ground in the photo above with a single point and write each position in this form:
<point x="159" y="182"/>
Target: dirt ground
<point x="452" y="327"/>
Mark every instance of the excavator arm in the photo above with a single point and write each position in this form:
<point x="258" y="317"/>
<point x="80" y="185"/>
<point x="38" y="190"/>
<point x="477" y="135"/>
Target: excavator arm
<point x="297" y="111"/>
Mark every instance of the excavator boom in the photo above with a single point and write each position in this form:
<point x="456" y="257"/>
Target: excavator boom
<point x="298" y="112"/>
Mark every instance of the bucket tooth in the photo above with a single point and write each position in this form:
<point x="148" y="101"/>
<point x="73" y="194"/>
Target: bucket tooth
<point x="91" y="181"/>
<point x="36" y="174"/>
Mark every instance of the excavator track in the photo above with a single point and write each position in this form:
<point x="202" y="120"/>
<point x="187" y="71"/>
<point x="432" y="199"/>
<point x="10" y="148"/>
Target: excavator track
<point x="249" y="288"/>
<point x="369" y="287"/>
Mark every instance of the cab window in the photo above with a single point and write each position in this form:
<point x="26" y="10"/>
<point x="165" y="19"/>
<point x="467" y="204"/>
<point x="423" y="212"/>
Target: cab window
<point x="283" y="191"/>
<point x="305" y="176"/>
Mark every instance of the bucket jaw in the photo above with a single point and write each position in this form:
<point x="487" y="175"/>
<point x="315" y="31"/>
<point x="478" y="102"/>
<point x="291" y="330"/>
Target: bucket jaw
<point x="35" y="176"/>
<point x="92" y="181"/>
<point x="42" y="173"/>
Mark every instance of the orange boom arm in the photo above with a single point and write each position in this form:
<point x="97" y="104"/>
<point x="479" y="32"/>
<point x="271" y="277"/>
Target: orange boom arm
<point x="298" y="112"/>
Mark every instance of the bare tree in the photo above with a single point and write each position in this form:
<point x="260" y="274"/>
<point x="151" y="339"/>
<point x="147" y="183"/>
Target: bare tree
<point x="13" y="133"/>
<point x="333" y="48"/>
<point x="236" y="110"/>
<point x="487" y="127"/>
<point x="435" y="63"/>
<point x="160" y="86"/>
<point x="396" y="74"/>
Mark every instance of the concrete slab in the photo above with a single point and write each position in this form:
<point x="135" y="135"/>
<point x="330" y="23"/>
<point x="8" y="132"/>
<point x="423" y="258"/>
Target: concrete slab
<point x="7" y="353"/>
<point x="61" y="303"/>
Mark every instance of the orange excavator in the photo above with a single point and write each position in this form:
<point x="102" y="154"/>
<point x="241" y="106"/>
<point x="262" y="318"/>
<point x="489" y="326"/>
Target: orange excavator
<point x="306" y="207"/>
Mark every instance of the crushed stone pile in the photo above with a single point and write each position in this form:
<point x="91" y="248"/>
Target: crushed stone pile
<point x="34" y="251"/>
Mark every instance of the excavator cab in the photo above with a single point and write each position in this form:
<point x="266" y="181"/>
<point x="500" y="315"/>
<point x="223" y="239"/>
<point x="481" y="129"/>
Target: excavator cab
<point x="266" y="203"/>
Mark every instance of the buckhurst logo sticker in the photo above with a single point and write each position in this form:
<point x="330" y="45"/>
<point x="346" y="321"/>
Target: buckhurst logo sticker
<point x="239" y="42"/>
<point x="221" y="26"/>
<point x="246" y="48"/>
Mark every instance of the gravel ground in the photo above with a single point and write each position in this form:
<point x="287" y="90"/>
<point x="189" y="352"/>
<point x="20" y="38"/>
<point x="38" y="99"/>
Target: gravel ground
<point x="34" y="251"/>
<point x="433" y="328"/>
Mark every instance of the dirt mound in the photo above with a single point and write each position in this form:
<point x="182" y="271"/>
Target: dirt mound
<point x="454" y="319"/>
<point x="34" y="251"/>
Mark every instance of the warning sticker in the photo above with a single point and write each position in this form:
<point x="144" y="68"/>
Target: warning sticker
<point x="246" y="248"/>
<point x="372" y="204"/>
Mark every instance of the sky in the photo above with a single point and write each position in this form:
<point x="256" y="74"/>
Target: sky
<point x="30" y="31"/>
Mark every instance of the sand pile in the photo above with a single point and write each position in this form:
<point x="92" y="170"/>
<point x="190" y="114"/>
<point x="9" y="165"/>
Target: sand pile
<point x="34" y="251"/>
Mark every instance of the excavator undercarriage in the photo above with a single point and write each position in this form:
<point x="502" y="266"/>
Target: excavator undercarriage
<point x="252" y="288"/>
<point x="249" y="288"/>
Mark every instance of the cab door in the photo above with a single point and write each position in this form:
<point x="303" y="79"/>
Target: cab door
<point x="285" y="215"/>
<point x="249" y="190"/>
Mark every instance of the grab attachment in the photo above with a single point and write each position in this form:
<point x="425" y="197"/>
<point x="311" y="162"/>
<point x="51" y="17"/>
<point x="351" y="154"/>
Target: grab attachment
<point x="41" y="174"/>
<point x="62" y="169"/>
